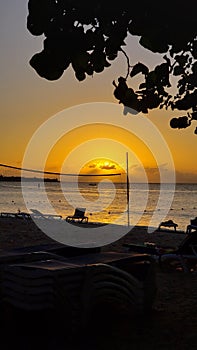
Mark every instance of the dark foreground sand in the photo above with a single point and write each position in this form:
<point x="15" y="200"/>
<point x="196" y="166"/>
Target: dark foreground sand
<point x="171" y="325"/>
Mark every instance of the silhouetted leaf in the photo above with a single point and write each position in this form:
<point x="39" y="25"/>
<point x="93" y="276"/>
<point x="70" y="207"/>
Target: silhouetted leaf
<point x="142" y="85"/>
<point x="80" y="61"/>
<point x="154" y="44"/>
<point x="35" y="28"/>
<point x="151" y="79"/>
<point x="194" y="49"/>
<point x="178" y="70"/>
<point x="45" y="66"/>
<point x="182" y="89"/>
<point x="174" y="123"/>
<point x="139" y="68"/>
<point x="180" y="123"/>
<point x="120" y="89"/>
<point x="80" y="75"/>
<point x="181" y="59"/>
<point x="194" y="116"/>
<point x="194" y="68"/>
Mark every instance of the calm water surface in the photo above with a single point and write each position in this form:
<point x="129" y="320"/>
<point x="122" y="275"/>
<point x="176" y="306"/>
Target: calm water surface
<point x="106" y="202"/>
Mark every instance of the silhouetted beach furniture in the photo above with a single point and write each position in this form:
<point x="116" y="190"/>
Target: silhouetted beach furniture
<point x="147" y="247"/>
<point x="35" y="213"/>
<point x="18" y="215"/>
<point x="192" y="226"/>
<point x="8" y="215"/>
<point x="78" y="216"/>
<point x="168" y="223"/>
<point x="184" y="257"/>
<point x="38" y="215"/>
<point x="77" y="283"/>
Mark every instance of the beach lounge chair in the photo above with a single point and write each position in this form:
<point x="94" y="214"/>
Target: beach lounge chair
<point x="168" y="223"/>
<point x="192" y="226"/>
<point x="38" y="215"/>
<point x="18" y="215"/>
<point x="184" y="257"/>
<point x="78" y="216"/>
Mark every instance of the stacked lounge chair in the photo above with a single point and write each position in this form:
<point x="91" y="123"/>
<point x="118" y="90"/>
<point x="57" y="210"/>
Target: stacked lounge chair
<point x="36" y="281"/>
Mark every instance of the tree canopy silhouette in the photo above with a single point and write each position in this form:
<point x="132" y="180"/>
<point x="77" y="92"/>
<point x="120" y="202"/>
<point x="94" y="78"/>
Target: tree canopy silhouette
<point x="89" y="35"/>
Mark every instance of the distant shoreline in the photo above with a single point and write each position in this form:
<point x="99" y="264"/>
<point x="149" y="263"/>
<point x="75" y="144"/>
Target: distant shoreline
<point x="36" y="179"/>
<point x="19" y="178"/>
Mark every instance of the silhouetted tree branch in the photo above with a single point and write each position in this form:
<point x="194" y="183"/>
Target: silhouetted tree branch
<point x="89" y="35"/>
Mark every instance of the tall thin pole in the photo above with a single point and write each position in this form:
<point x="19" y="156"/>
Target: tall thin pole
<point x="127" y="168"/>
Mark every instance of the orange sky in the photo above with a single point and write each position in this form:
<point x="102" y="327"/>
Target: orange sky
<point x="27" y="101"/>
<point x="100" y="149"/>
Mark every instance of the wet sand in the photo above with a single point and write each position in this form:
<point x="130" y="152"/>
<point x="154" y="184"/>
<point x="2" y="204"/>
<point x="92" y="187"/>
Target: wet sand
<point x="171" y="325"/>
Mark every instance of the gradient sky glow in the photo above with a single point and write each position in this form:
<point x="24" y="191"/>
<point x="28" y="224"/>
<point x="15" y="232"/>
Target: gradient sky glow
<point x="28" y="100"/>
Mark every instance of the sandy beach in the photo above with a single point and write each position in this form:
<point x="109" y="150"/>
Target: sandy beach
<point x="15" y="233"/>
<point x="172" y="323"/>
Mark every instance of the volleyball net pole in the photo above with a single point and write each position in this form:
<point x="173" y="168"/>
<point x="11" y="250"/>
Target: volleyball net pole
<point x="127" y="170"/>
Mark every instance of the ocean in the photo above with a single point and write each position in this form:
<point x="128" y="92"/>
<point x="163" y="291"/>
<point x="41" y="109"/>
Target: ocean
<point x="149" y="205"/>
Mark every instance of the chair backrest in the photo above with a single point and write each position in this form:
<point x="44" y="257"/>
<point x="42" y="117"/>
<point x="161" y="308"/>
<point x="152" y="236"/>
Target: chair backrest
<point x="37" y="212"/>
<point x="193" y="222"/>
<point x="80" y="212"/>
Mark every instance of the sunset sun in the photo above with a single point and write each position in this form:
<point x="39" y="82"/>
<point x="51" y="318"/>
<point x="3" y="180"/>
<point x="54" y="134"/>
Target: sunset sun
<point x="102" y="166"/>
